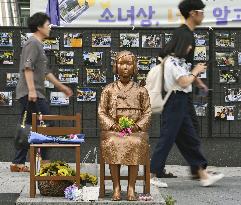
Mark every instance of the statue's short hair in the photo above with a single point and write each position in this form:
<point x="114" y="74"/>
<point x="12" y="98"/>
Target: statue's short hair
<point x="121" y="55"/>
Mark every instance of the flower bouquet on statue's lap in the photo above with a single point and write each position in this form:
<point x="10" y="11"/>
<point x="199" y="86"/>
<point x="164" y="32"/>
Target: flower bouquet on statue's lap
<point x="126" y="124"/>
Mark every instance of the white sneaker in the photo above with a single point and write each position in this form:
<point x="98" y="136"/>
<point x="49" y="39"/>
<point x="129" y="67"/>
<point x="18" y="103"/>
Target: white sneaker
<point x="157" y="182"/>
<point x="213" y="178"/>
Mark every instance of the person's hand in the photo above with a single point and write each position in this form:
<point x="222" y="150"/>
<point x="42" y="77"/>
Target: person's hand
<point x="32" y="96"/>
<point x="135" y="128"/>
<point x="199" y="68"/>
<point x="203" y="87"/>
<point x="66" y="90"/>
<point x="116" y="128"/>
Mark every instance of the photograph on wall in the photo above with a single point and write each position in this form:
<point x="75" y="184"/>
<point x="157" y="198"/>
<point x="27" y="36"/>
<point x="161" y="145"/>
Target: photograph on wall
<point x="25" y="37"/>
<point x="201" y="109"/>
<point x="71" y="10"/>
<point x="129" y="40"/>
<point x="141" y="78"/>
<point x="116" y="77"/>
<point x="51" y="43"/>
<point x="225" y="40"/>
<point x="238" y="112"/>
<point x="73" y="40"/>
<point x="113" y="55"/>
<point x="203" y="75"/>
<point x="200" y="39"/>
<point x="12" y="79"/>
<point x="6" y="39"/>
<point x="92" y="58"/>
<point x="224" y="112"/>
<point x="168" y="37"/>
<point x="152" y="41"/>
<point x="233" y="95"/>
<point x="200" y="53"/>
<point x="146" y="62"/>
<point x="69" y="75"/>
<point x="101" y="40"/>
<point x="48" y="84"/>
<point x="58" y="99"/>
<point x="6" y="57"/>
<point x="228" y="76"/>
<point x="95" y="76"/>
<point x="65" y="57"/>
<point x="86" y="95"/>
<point x="225" y="59"/>
<point x="239" y="58"/>
<point x="6" y="98"/>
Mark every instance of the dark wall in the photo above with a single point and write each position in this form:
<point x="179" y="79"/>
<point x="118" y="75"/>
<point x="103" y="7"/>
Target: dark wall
<point x="221" y="139"/>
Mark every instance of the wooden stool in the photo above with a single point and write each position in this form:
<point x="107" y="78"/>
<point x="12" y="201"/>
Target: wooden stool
<point x="54" y="131"/>
<point x="145" y="177"/>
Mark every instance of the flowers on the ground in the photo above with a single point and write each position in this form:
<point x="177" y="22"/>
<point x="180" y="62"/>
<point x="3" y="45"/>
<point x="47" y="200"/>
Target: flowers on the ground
<point x="84" y="194"/>
<point x="88" y="178"/>
<point x="63" y="172"/>
<point x="73" y="193"/>
<point x="58" y="168"/>
<point x="125" y="124"/>
<point x="145" y="197"/>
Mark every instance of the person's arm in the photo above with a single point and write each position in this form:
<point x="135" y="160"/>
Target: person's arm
<point x="60" y="86"/>
<point x="32" y="95"/>
<point x="106" y="121"/>
<point x="144" y="122"/>
<point x="30" y="53"/>
<point x="186" y="80"/>
<point x="200" y="84"/>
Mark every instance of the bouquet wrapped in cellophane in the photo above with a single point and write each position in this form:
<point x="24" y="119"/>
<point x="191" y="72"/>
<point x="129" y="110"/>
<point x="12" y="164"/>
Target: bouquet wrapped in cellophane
<point x="36" y="138"/>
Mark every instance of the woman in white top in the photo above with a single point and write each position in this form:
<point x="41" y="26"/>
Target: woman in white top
<point x="177" y="125"/>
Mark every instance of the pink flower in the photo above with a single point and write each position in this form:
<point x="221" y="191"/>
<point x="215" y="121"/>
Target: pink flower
<point x="129" y="130"/>
<point x="122" y="133"/>
<point x="72" y="136"/>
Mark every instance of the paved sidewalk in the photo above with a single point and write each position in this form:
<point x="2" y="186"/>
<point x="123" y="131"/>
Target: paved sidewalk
<point x="182" y="189"/>
<point x="19" y="183"/>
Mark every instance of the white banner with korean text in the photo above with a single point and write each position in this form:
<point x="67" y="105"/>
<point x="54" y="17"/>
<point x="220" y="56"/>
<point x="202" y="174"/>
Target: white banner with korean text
<point x="138" y="13"/>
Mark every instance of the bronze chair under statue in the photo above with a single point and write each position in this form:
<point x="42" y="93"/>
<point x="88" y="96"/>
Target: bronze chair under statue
<point x="124" y="98"/>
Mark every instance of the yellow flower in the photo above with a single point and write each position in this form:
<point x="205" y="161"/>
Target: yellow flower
<point x="63" y="172"/>
<point x="83" y="176"/>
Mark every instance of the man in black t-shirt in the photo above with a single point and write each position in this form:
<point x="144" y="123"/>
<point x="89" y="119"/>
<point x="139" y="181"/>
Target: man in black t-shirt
<point x="192" y="11"/>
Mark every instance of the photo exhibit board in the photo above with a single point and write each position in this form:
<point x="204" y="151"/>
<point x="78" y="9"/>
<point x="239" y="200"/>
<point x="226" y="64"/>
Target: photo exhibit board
<point x="82" y="58"/>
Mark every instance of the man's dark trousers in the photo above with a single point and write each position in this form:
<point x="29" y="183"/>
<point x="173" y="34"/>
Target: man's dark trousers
<point x="177" y="127"/>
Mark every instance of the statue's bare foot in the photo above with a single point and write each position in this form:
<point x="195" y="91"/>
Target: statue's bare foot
<point x="116" y="194"/>
<point x="131" y="194"/>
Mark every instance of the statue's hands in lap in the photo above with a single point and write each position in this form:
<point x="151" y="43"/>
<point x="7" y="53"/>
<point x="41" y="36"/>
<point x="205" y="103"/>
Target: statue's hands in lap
<point x="135" y="128"/>
<point x="116" y="128"/>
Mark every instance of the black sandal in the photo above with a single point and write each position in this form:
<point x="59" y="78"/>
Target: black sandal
<point x="168" y="175"/>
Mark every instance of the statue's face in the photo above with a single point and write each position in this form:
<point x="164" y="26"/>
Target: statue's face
<point x="125" y="66"/>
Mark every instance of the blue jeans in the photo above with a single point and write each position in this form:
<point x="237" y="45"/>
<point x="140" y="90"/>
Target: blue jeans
<point x="41" y="105"/>
<point x="177" y="127"/>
